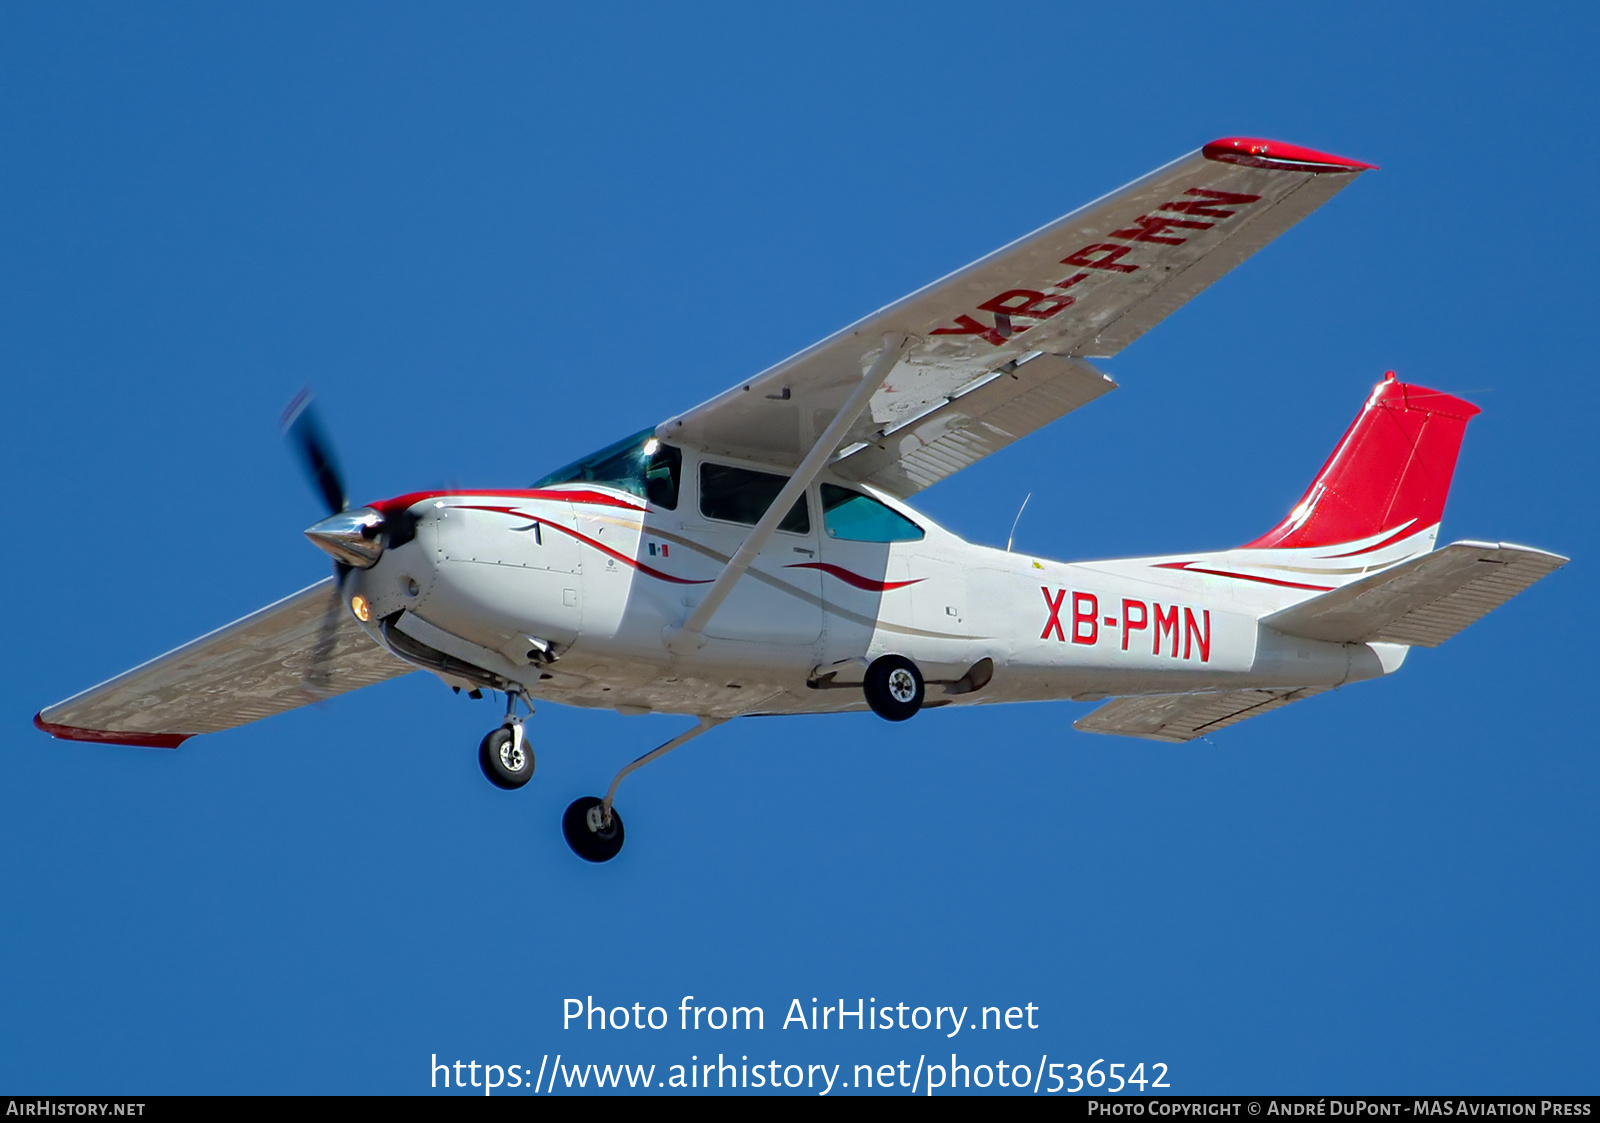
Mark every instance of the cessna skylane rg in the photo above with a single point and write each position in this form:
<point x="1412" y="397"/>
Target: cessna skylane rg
<point x="756" y="554"/>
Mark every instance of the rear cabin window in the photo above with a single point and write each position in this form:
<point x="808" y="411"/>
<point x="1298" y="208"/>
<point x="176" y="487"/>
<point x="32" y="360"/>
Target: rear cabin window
<point x="852" y="517"/>
<point x="640" y="464"/>
<point x="739" y="495"/>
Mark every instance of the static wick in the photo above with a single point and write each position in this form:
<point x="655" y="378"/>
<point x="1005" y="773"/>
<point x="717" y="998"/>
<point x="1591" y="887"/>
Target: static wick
<point x="1013" y="536"/>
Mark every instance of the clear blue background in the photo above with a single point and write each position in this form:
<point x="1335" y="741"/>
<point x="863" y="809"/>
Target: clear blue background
<point x="497" y="237"/>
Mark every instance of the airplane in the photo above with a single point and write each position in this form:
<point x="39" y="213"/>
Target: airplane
<point x="756" y="555"/>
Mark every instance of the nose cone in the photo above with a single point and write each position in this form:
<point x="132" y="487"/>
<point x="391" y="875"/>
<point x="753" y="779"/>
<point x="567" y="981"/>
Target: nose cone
<point x="352" y="537"/>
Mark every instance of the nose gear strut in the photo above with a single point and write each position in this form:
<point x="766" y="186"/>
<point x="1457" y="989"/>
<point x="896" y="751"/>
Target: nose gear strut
<point x="504" y="754"/>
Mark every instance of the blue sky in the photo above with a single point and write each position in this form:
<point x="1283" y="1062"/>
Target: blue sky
<point x="497" y="238"/>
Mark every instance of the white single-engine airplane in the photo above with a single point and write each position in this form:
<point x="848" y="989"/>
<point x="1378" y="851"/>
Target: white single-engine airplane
<point x="755" y="555"/>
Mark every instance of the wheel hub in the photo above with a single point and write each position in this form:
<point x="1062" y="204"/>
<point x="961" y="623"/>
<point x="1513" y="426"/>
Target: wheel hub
<point x="512" y="756"/>
<point x="902" y="687"/>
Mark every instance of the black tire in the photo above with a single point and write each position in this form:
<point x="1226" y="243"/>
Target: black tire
<point x="894" y="687"/>
<point x="505" y="766"/>
<point x="587" y="843"/>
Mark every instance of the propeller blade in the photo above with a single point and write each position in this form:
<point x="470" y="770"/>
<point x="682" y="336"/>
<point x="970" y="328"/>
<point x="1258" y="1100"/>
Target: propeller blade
<point x="318" y="676"/>
<point x="306" y="436"/>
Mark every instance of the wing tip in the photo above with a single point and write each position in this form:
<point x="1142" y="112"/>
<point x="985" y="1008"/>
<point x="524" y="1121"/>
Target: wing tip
<point x="110" y="736"/>
<point x="1252" y="152"/>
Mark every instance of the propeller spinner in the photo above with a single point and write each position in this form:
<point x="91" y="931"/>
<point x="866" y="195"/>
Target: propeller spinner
<point x="351" y="538"/>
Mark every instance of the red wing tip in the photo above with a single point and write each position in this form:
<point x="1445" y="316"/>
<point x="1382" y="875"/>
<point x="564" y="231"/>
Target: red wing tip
<point x="1253" y="152"/>
<point x="110" y="736"/>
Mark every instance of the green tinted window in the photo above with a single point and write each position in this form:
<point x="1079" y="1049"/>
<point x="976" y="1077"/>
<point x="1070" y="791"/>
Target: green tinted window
<point x="640" y="464"/>
<point x="853" y="517"/>
<point x="738" y="495"/>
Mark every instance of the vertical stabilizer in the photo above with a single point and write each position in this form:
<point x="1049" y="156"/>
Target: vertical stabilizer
<point x="1388" y="477"/>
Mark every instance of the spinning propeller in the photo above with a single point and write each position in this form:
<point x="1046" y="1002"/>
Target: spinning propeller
<point x="353" y="538"/>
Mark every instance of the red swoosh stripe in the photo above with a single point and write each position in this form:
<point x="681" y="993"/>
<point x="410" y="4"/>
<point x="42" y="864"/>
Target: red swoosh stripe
<point x="1393" y="538"/>
<point x="1186" y="567"/>
<point x="595" y="498"/>
<point x="854" y="579"/>
<point x="648" y="570"/>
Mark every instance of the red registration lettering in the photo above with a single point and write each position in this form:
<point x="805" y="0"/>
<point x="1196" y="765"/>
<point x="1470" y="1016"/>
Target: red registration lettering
<point x="1166" y="623"/>
<point x="1054" y="604"/>
<point x="1209" y="203"/>
<point x="966" y="325"/>
<point x="1151" y="227"/>
<point x="1101" y="255"/>
<point x="1026" y="302"/>
<point x="1202" y="640"/>
<point x="1085" y="612"/>
<point x="1129" y="624"/>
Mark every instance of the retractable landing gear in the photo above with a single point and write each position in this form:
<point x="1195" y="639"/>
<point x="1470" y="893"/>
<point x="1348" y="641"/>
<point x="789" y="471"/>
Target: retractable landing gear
<point x="504" y="754"/>
<point x="592" y="826"/>
<point x="894" y="687"/>
<point x="593" y="835"/>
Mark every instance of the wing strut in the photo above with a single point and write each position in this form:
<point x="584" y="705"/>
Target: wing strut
<point x="687" y="637"/>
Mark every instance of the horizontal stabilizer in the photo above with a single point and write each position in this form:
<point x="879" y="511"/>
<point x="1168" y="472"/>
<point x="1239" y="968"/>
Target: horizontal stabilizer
<point x="1183" y="717"/>
<point x="1421" y="602"/>
<point x="248" y="670"/>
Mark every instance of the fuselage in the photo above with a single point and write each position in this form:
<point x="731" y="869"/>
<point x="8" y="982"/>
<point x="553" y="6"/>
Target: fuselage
<point x="567" y="589"/>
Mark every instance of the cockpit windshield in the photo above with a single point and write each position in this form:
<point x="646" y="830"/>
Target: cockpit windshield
<point x="639" y="464"/>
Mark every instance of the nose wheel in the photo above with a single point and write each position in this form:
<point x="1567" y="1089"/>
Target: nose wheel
<point x="506" y="757"/>
<point x="504" y="754"/>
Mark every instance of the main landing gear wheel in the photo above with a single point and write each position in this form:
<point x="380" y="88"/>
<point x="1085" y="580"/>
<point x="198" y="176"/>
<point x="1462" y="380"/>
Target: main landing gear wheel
<point x="894" y="687"/>
<point x="589" y="835"/>
<point x="506" y="757"/>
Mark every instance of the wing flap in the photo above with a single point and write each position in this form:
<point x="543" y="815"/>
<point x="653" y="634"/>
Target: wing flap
<point x="248" y="670"/>
<point x="1421" y="602"/>
<point x="1175" y="718"/>
<point x="1006" y="407"/>
<point x="1087" y="284"/>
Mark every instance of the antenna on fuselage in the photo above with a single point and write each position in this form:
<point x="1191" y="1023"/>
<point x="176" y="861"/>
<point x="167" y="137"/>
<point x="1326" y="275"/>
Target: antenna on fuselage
<point x="1013" y="536"/>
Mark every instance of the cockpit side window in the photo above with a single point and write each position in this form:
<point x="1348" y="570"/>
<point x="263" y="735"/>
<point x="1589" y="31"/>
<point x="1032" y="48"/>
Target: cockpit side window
<point x="850" y="516"/>
<point x="739" y="495"/>
<point x="663" y="465"/>
<point x="640" y="464"/>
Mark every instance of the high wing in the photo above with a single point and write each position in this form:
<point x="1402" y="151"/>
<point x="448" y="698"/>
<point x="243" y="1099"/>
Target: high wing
<point x="248" y="670"/>
<point x="997" y="345"/>
<point x="1183" y="717"/>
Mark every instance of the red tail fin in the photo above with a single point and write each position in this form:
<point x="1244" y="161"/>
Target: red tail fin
<point x="1391" y="469"/>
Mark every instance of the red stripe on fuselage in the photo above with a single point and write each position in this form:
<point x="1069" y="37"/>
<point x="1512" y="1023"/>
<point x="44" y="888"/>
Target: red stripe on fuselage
<point x="648" y="570"/>
<point x="1404" y="531"/>
<point x="596" y="498"/>
<point x="855" y="579"/>
<point x="1188" y="568"/>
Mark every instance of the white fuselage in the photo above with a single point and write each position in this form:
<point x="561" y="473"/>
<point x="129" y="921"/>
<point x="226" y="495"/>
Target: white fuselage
<point x="594" y="576"/>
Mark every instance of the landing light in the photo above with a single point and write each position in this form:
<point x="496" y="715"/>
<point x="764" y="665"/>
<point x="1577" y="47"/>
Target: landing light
<point x="650" y="446"/>
<point x="358" y="605"/>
